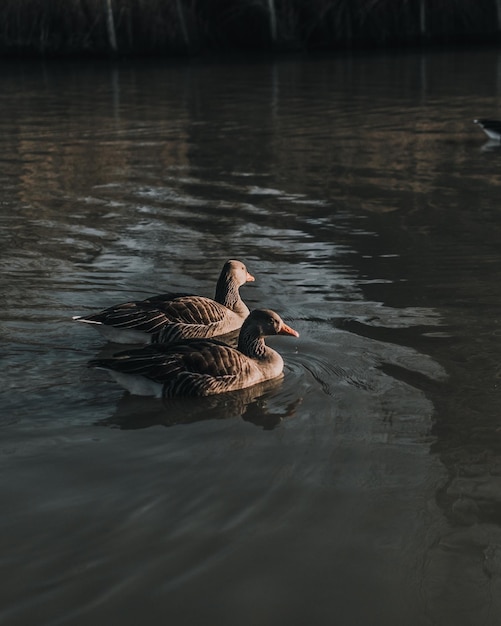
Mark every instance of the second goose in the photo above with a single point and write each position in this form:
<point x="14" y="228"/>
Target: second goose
<point x="173" y="316"/>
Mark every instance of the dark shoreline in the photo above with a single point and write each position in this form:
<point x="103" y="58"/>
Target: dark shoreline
<point x="183" y="28"/>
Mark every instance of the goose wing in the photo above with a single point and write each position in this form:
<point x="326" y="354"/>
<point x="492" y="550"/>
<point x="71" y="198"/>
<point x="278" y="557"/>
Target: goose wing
<point x="197" y="367"/>
<point x="153" y="314"/>
<point x="206" y="367"/>
<point x="131" y="315"/>
<point x="191" y="310"/>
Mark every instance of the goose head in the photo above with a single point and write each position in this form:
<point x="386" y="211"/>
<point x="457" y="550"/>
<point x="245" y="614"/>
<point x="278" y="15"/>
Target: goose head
<point x="259" y="324"/>
<point x="266" y="322"/>
<point x="236" y="272"/>
<point x="263" y="323"/>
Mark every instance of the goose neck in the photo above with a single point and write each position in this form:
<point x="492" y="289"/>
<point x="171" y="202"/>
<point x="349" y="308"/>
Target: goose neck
<point x="250" y="345"/>
<point x="227" y="293"/>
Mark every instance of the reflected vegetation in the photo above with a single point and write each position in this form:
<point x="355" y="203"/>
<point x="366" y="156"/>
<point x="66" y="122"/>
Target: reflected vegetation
<point x="54" y="160"/>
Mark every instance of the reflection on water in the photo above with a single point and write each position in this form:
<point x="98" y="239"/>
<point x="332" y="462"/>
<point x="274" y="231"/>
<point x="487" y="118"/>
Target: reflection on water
<point x="252" y="405"/>
<point x="491" y="145"/>
<point x="366" y="203"/>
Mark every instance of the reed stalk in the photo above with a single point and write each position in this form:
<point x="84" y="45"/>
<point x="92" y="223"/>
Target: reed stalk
<point x="422" y="18"/>
<point x="182" y="23"/>
<point x="498" y="12"/>
<point x="273" y="20"/>
<point x="110" y="26"/>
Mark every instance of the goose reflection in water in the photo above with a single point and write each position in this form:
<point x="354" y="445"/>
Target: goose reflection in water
<point x="252" y="405"/>
<point x="491" y="145"/>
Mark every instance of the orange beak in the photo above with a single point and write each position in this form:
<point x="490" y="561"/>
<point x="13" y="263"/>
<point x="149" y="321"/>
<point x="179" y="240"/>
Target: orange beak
<point x="287" y="330"/>
<point x="250" y="278"/>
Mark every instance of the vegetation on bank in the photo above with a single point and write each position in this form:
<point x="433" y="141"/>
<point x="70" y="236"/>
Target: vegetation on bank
<point x="192" y="26"/>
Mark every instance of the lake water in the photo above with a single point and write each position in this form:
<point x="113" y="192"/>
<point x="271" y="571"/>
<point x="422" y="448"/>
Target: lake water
<point x="363" y="489"/>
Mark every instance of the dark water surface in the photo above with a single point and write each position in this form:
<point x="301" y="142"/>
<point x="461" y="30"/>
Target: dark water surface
<point x="365" y="488"/>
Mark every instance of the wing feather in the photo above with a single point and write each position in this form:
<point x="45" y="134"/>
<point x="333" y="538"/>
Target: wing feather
<point x="197" y="367"/>
<point x="179" y="314"/>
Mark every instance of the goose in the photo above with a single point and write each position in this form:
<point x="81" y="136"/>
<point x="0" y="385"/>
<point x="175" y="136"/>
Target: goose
<point x="172" y="317"/>
<point x="202" y="367"/>
<point x="492" y="128"/>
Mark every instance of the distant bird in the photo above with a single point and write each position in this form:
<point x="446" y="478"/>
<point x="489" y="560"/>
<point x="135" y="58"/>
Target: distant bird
<point x="202" y="367"/>
<point x="492" y="128"/>
<point x="175" y="316"/>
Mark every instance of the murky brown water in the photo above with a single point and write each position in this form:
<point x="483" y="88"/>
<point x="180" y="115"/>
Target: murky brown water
<point x="363" y="489"/>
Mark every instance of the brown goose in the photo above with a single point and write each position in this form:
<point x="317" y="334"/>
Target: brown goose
<point x="202" y="367"/>
<point x="172" y="317"/>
